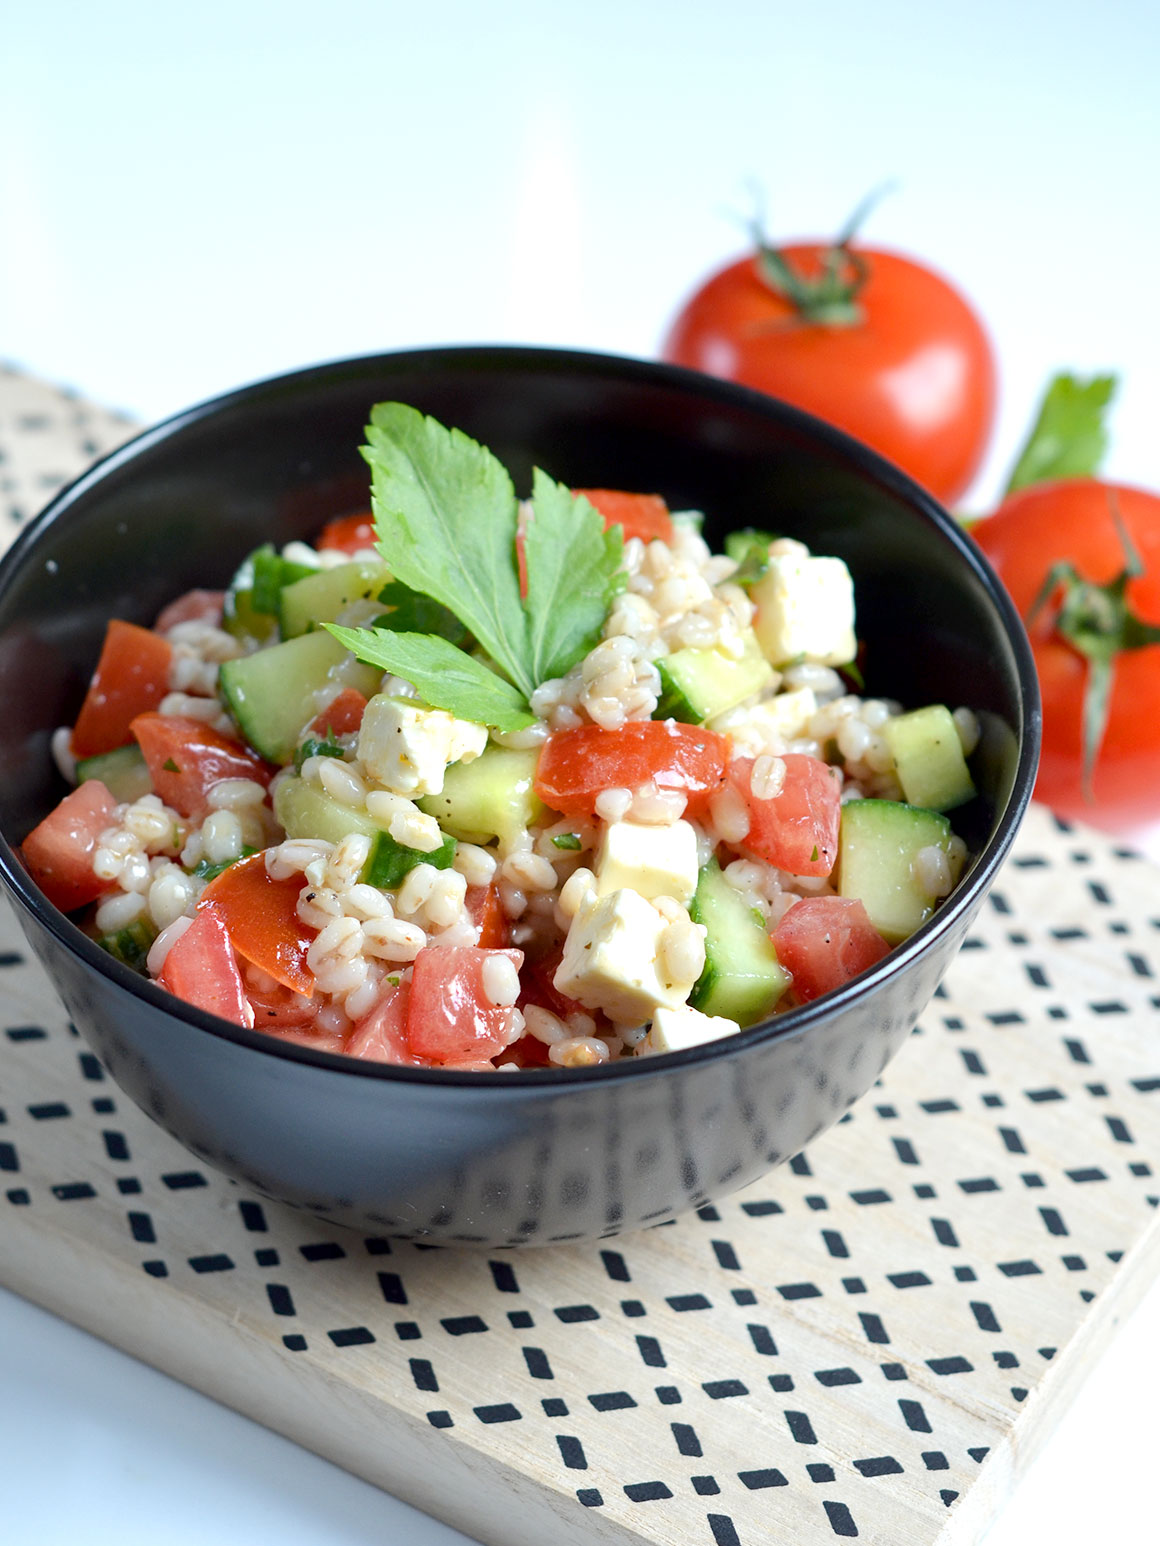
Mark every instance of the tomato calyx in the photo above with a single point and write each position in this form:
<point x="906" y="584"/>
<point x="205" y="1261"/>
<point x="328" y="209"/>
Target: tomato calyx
<point x="828" y="298"/>
<point x="1096" y="621"/>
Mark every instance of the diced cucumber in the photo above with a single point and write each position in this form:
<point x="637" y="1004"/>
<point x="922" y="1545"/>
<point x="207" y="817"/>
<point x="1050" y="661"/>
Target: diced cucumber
<point x="322" y="595"/>
<point x="698" y="684"/>
<point x="272" y="573"/>
<point x="877" y="846"/>
<point x="491" y="797"/>
<point x="743" y="978"/>
<point x="240" y="617"/>
<point x="306" y="810"/>
<point x="928" y="756"/>
<point x="271" y="693"/>
<point x="123" y="772"/>
<point x="130" y="944"/>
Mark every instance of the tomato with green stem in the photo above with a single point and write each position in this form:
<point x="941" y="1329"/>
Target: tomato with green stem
<point x="1081" y="560"/>
<point x="876" y="343"/>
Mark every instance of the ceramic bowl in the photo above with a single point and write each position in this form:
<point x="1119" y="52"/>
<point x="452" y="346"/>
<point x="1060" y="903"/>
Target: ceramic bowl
<point x="549" y="1155"/>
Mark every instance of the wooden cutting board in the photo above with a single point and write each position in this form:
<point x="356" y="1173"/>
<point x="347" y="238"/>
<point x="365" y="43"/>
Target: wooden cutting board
<point x="871" y="1343"/>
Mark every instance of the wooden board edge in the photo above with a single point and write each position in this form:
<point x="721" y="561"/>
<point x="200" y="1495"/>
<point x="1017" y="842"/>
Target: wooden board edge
<point x="475" y="1493"/>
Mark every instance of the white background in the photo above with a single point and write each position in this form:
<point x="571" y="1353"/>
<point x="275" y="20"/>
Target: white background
<point x="194" y="197"/>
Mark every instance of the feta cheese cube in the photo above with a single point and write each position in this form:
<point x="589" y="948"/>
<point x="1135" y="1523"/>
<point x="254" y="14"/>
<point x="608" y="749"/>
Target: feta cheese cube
<point x="805" y="610"/>
<point x="653" y="861"/>
<point x="407" y="747"/>
<point x="675" y="1029"/>
<point x="612" y="959"/>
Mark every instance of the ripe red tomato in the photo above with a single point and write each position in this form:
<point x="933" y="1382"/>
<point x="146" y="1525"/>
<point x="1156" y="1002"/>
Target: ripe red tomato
<point x="914" y="377"/>
<point x="59" y="852"/>
<point x="1072" y="521"/>
<point x="261" y="915"/>
<point x="187" y="757"/>
<point x="201" y="968"/>
<point x="823" y="941"/>
<point x="131" y="678"/>
<point x="797" y="830"/>
<point x="576" y="765"/>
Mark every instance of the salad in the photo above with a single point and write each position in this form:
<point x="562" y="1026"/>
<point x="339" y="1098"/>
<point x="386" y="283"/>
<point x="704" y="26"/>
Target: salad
<point x="489" y="784"/>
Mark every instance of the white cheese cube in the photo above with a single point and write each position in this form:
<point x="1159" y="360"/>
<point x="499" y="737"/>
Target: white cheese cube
<point x="611" y="959"/>
<point x="805" y="610"/>
<point x="767" y="726"/>
<point x="675" y="1029"/>
<point x="653" y="861"/>
<point x="407" y="747"/>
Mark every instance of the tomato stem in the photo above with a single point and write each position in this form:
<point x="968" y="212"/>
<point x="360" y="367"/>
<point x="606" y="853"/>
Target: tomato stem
<point x="1096" y="621"/>
<point x="830" y="297"/>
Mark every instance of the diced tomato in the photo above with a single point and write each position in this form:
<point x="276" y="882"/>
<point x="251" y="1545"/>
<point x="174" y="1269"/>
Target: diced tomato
<point x="486" y="912"/>
<point x="196" y="606"/>
<point x="641" y="515"/>
<point x="450" y="1018"/>
<point x="201" y="968"/>
<point x="538" y="987"/>
<point x="343" y="716"/>
<point x="576" y="765"/>
<point x="307" y="1036"/>
<point x="132" y="677"/>
<point x="187" y="758"/>
<point x="381" y="1036"/>
<point x="528" y="1052"/>
<point x="59" y="852"/>
<point x="797" y="830"/>
<point x="348" y="533"/>
<point x="277" y="1008"/>
<point x="261" y="916"/>
<point x="823" y="941"/>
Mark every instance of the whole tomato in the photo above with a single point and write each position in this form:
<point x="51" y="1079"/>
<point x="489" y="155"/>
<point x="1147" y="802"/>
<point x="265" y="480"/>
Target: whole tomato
<point x="873" y="342"/>
<point x="1096" y="629"/>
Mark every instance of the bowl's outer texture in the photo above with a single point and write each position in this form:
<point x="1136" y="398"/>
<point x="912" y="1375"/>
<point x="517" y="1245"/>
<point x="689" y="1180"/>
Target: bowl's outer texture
<point x="543" y="1156"/>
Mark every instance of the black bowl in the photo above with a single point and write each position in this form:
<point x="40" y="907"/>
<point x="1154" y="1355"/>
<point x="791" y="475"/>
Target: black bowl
<point x="548" y="1155"/>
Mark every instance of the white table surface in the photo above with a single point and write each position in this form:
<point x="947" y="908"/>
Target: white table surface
<point x="191" y="198"/>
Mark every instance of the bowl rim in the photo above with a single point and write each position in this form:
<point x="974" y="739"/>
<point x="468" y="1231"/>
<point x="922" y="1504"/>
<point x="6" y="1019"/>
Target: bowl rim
<point x="790" y="1024"/>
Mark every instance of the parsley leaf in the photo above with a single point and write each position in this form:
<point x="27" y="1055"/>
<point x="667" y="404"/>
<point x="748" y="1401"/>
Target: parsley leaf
<point x="572" y="567"/>
<point x="750" y="551"/>
<point x="412" y="612"/>
<point x="1069" y="437"/>
<point x="444" y="676"/>
<point x="569" y="841"/>
<point x="445" y="517"/>
<point x="316" y="746"/>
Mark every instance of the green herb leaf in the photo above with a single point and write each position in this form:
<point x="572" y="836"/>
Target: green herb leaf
<point x="170" y="766"/>
<point x="572" y="567"/>
<point x="314" y="746"/>
<point x="750" y="550"/>
<point x="412" y="612"/>
<point x="445" y="516"/>
<point x="1070" y="435"/>
<point x="570" y="841"/>
<point x="206" y="869"/>
<point x="444" y="676"/>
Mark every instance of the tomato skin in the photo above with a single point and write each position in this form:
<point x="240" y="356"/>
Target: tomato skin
<point x="343" y="716"/>
<point x="823" y="941"/>
<point x="640" y="515"/>
<point x="200" y="756"/>
<point x="1071" y="520"/>
<point x="348" y="533"/>
<point x="915" y="378"/>
<point x="576" y="765"/>
<point x="59" y="852"/>
<point x="201" y="968"/>
<point x="450" y="1019"/>
<point x="485" y="909"/>
<point x="797" y="830"/>
<point x="261" y="916"/>
<point x="131" y="678"/>
<point x="381" y="1036"/>
<point x="196" y="606"/>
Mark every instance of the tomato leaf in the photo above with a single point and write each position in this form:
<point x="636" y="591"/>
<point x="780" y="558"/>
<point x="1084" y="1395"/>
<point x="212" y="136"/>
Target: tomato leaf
<point x="1069" y="438"/>
<point x="445" y="517"/>
<point x="444" y="676"/>
<point x="572" y="567"/>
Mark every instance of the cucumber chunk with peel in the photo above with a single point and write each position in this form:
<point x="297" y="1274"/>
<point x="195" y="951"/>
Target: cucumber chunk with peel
<point x="491" y="797"/>
<point x="306" y="810"/>
<point x="743" y="978"/>
<point x="271" y="693"/>
<point x="322" y="596"/>
<point x="878" y="846"/>
<point x="698" y="684"/>
<point x="123" y="772"/>
<point x="928" y="757"/>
